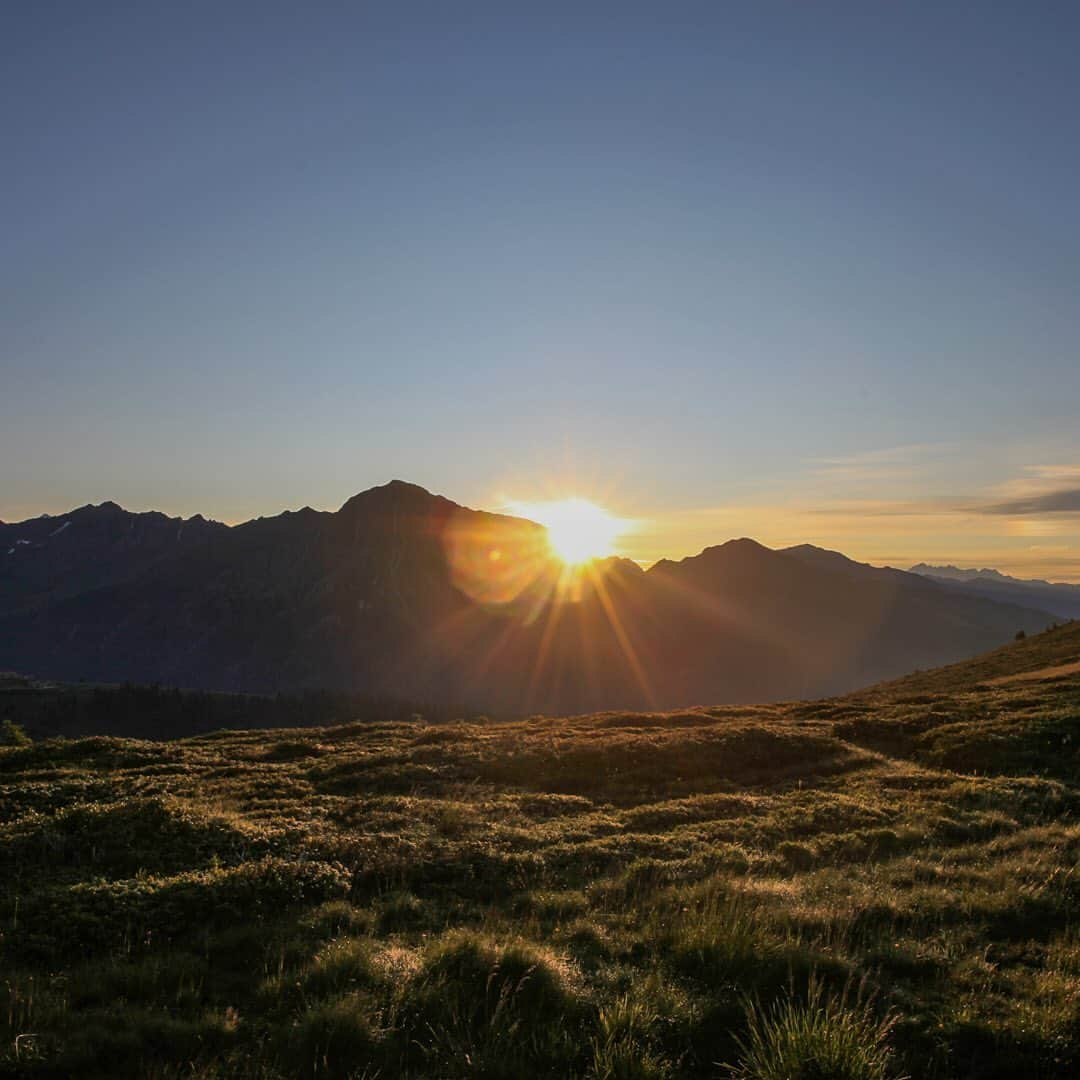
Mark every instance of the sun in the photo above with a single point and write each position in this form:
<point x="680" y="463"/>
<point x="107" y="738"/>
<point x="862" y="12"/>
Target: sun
<point x="578" y="530"/>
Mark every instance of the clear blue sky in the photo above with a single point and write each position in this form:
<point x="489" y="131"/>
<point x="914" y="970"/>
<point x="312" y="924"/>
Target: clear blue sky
<point x="738" y="260"/>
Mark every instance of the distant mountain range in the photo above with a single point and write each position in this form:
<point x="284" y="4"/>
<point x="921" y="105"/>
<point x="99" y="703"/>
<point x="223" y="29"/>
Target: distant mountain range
<point x="404" y="593"/>
<point x="1059" y="598"/>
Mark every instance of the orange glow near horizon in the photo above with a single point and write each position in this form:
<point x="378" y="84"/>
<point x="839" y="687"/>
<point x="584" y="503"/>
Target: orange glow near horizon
<point x="578" y="530"/>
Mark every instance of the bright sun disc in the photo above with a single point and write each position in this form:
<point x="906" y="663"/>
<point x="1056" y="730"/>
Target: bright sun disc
<point x="578" y="530"/>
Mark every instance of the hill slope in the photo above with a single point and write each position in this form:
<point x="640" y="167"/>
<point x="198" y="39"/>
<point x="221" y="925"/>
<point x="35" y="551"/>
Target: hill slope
<point x="406" y="594"/>
<point x="586" y="897"/>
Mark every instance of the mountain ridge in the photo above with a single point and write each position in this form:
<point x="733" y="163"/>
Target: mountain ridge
<point x="404" y="593"/>
<point x="1060" y="598"/>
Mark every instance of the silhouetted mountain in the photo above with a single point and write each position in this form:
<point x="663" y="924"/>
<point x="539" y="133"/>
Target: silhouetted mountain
<point x="1059" y="598"/>
<point x="48" y="558"/>
<point x="406" y="594"/>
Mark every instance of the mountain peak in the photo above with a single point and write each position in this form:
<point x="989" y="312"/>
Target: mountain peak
<point x="107" y="507"/>
<point x="393" y="493"/>
<point x="619" y="564"/>
<point x="951" y="571"/>
<point x="742" y="545"/>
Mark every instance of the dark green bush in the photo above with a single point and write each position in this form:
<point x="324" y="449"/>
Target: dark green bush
<point x="12" y="734"/>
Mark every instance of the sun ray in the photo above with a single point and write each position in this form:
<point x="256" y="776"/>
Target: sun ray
<point x="622" y="637"/>
<point x="554" y="613"/>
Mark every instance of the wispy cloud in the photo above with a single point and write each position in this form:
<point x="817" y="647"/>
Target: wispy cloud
<point x="1066" y="501"/>
<point x="1042" y="489"/>
<point x="1044" y="477"/>
<point x="891" y="464"/>
<point x="932" y="505"/>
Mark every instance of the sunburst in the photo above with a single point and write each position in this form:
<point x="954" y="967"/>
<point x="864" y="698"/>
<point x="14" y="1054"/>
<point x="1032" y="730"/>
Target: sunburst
<point x="578" y="530"/>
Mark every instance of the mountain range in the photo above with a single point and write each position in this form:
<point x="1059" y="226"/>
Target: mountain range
<point x="402" y="592"/>
<point x="1057" y="597"/>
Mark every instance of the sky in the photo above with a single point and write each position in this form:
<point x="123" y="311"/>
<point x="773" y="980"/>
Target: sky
<point x="803" y="272"/>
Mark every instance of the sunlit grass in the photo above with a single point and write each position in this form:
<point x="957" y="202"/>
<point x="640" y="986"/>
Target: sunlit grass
<point x="764" y="891"/>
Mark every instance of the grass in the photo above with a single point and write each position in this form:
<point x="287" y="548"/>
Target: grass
<point x="878" y="885"/>
<point x="820" y="1035"/>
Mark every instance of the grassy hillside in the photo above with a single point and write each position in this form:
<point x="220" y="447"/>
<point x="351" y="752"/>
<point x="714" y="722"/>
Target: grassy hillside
<point x="865" y="886"/>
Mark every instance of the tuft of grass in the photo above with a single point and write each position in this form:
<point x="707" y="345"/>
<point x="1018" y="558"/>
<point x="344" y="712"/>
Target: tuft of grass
<point x="478" y="1007"/>
<point x="336" y="917"/>
<point x="623" y="1047"/>
<point x="401" y="911"/>
<point x="333" y="1039"/>
<point x="551" y="906"/>
<point x="823" y="1036"/>
<point x="29" y="1008"/>
<point x="345" y="964"/>
<point x="716" y="938"/>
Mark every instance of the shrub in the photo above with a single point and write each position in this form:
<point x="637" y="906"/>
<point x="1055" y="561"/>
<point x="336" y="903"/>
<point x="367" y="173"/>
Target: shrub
<point x="12" y="734"/>
<point x="121" y="839"/>
<point x="101" y="915"/>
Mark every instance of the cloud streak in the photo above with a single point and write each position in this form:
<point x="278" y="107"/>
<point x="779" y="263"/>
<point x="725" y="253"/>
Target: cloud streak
<point x="1066" y="501"/>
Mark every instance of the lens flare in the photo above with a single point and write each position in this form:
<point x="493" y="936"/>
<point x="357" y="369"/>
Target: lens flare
<point x="578" y="530"/>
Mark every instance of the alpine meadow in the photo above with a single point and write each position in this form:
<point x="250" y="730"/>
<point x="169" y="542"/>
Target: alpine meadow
<point x="869" y="886"/>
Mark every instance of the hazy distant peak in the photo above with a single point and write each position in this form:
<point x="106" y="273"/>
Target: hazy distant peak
<point x="1061" y="599"/>
<point x="955" y="573"/>
<point x="959" y="574"/>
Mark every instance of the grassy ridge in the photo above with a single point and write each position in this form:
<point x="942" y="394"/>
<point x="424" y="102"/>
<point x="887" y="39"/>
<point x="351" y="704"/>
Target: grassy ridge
<point x="860" y="887"/>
